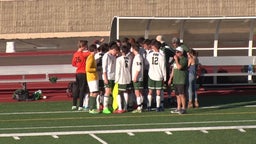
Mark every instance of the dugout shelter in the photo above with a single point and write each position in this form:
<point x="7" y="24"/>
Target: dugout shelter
<point x="213" y="37"/>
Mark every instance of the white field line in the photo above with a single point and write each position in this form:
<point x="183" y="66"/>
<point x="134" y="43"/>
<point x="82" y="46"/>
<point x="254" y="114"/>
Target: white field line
<point x="210" y="107"/>
<point x="128" y="125"/>
<point x="204" y="131"/>
<point x="242" y="130"/>
<point x="168" y="133"/>
<point x="250" y="106"/>
<point x="16" y="138"/>
<point x="55" y="136"/>
<point x="131" y="134"/>
<point x="98" y="139"/>
<point x="29" y="113"/>
<point x="128" y="131"/>
<point x="61" y="112"/>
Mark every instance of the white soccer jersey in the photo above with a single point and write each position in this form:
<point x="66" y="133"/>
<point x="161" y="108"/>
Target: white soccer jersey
<point x="137" y="65"/>
<point x="157" y="67"/>
<point x="123" y="70"/>
<point x="108" y="65"/>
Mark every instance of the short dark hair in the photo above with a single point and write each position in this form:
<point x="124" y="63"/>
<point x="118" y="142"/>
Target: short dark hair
<point x="82" y="43"/>
<point x="125" y="49"/>
<point x="140" y="40"/>
<point x="113" y="45"/>
<point x="103" y="47"/>
<point x="92" y="47"/>
<point x="136" y="47"/>
<point x="147" y="41"/>
<point x="156" y="43"/>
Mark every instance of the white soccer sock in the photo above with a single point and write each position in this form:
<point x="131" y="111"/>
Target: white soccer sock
<point x="125" y="100"/>
<point x="105" y="101"/>
<point x="141" y="99"/>
<point x="86" y="101"/>
<point x="98" y="101"/>
<point x="158" y="101"/>
<point x="149" y="100"/>
<point x="138" y="99"/>
<point x="119" y="101"/>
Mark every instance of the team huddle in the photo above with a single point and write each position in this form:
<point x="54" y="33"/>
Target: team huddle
<point x="141" y="69"/>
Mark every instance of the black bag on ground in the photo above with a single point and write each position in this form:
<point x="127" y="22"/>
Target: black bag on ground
<point x="71" y="88"/>
<point x="21" y="94"/>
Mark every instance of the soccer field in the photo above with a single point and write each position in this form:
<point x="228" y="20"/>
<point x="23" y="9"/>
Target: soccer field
<point x="228" y="120"/>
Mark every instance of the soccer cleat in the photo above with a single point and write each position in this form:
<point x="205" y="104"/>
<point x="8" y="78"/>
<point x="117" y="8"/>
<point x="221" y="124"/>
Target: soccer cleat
<point x="136" y="111"/>
<point x="94" y="111"/>
<point x="161" y="108"/>
<point x="149" y="109"/>
<point x="158" y="109"/>
<point x="106" y="111"/>
<point x="182" y="111"/>
<point x="175" y="111"/>
<point x="119" y="111"/>
<point x="73" y="108"/>
<point x="80" y="109"/>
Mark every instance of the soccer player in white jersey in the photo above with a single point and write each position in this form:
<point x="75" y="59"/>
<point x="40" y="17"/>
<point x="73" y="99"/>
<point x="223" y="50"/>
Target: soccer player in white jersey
<point x="123" y="78"/>
<point x="108" y="69"/>
<point x="137" y="77"/>
<point x="156" y="73"/>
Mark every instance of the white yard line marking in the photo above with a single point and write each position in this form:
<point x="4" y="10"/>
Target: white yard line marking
<point x="210" y="107"/>
<point x="168" y="133"/>
<point x="98" y="139"/>
<point x="129" y="125"/>
<point x="131" y="134"/>
<point x="204" y="131"/>
<point x="250" y="106"/>
<point x="241" y="130"/>
<point x="127" y="131"/>
<point x="16" y="138"/>
<point x="55" y="136"/>
<point x="50" y="112"/>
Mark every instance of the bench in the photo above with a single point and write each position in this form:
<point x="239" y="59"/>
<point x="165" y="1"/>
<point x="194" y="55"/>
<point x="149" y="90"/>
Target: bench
<point x="219" y="67"/>
<point x="36" y="74"/>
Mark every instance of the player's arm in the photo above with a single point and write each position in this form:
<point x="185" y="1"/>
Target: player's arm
<point x="89" y="67"/>
<point x="163" y="67"/>
<point x="117" y="71"/>
<point x="171" y="76"/>
<point x="138" y="69"/>
<point x="105" y="68"/>
<point x="74" y="60"/>
<point x="179" y="66"/>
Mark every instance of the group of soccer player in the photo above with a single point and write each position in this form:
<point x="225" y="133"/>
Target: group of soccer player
<point x="141" y="68"/>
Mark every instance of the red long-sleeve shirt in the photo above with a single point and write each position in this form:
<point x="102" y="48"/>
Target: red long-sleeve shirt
<point x="79" y="61"/>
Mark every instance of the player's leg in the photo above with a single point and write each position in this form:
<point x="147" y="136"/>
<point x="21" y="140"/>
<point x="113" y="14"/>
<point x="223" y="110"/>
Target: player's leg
<point x="108" y="90"/>
<point x="138" y="86"/>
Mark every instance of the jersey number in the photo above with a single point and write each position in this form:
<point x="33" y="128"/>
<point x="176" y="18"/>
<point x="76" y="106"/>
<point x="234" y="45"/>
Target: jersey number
<point x="155" y="60"/>
<point x="126" y="60"/>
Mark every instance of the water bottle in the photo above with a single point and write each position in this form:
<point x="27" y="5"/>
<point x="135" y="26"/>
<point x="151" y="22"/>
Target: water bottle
<point x="250" y="69"/>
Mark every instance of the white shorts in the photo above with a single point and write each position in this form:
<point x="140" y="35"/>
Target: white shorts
<point x="93" y="86"/>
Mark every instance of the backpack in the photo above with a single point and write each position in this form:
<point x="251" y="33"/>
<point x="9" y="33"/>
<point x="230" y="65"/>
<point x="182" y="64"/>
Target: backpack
<point x="21" y="94"/>
<point x="70" y="88"/>
<point x="99" y="60"/>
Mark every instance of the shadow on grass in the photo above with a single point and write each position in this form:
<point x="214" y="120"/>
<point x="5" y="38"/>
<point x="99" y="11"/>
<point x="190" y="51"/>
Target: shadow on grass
<point x="227" y="98"/>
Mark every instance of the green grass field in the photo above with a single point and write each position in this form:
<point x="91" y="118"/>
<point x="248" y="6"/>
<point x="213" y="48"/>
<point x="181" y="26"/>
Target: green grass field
<point x="233" y="121"/>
